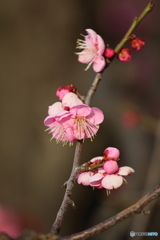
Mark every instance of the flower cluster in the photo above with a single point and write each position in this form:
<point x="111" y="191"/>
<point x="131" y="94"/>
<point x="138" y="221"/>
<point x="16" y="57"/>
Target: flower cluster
<point x="105" y="171"/>
<point x="72" y="120"/>
<point x="136" y="43"/>
<point x="94" y="50"/>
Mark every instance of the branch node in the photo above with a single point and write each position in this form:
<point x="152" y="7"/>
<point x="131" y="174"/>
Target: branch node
<point x="64" y="184"/>
<point x="72" y="204"/>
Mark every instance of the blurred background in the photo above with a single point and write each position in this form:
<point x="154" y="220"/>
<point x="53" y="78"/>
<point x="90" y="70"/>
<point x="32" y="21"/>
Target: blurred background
<point x="37" y="45"/>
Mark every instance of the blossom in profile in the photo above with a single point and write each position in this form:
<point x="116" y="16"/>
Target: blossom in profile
<point x="124" y="55"/>
<point x="108" y="174"/>
<point x="93" y="48"/>
<point x="72" y="120"/>
<point x="63" y="90"/>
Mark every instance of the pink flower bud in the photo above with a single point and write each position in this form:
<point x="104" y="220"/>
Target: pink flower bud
<point x="124" y="55"/>
<point x="111" y="152"/>
<point x="137" y="43"/>
<point x="109" y="52"/>
<point x="63" y="90"/>
<point x="110" y="166"/>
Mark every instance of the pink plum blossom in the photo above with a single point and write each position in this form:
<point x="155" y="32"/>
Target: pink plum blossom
<point x="63" y="90"/>
<point x="93" y="48"/>
<point x="114" y="178"/>
<point x="70" y="119"/>
<point x="108" y="174"/>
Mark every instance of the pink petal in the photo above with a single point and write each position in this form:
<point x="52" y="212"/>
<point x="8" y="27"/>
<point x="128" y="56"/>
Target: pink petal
<point x="96" y="116"/>
<point x="112" y="181"/>
<point x="124" y="171"/>
<point x="49" y="120"/>
<point x="63" y="116"/>
<point x="84" y="178"/>
<point x="101" y="45"/>
<point x="70" y="100"/>
<point x="58" y="132"/>
<point x="61" y="93"/>
<point x="92" y="34"/>
<point x="96" y="158"/>
<point x="111" y="152"/>
<point x="99" y="64"/>
<point x="69" y="134"/>
<point x="81" y="110"/>
<point x="89" y="52"/>
<point x="91" y="129"/>
<point x="96" y="177"/>
<point x="55" y="109"/>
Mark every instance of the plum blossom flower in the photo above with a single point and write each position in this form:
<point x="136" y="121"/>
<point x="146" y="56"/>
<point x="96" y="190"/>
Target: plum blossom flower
<point x="108" y="174"/>
<point x="113" y="178"/>
<point x="93" y="48"/>
<point x="72" y="120"/>
<point x="63" y="90"/>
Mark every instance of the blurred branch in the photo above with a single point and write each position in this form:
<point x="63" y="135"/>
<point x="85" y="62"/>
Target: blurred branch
<point x="76" y="162"/>
<point x="137" y="208"/>
<point x="69" y="186"/>
<point x="152" y="176"/>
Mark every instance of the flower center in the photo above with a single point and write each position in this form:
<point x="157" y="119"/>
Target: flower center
<point x="83" y="128"/>
<point x="66" y="108"/>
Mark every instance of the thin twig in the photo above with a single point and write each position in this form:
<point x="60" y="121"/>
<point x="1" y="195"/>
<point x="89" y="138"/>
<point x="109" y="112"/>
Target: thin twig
<point x="134" y="25"/>
<point x="137" y="208"/>
<point x="93" y="88"/>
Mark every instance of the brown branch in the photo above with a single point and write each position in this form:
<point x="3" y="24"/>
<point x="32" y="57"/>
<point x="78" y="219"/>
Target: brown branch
<point x="137" y="208"/>
<point x="67" y="197"/>
<point x="93" y="88"/>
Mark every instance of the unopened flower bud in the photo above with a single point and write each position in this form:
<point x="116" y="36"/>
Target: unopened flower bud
<point x="110" y="166"/>
<point x="63" y="90"/>
<point x="124" y="55"/>
<point x="109" y="52"/>
<point x="137" y="43"/>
